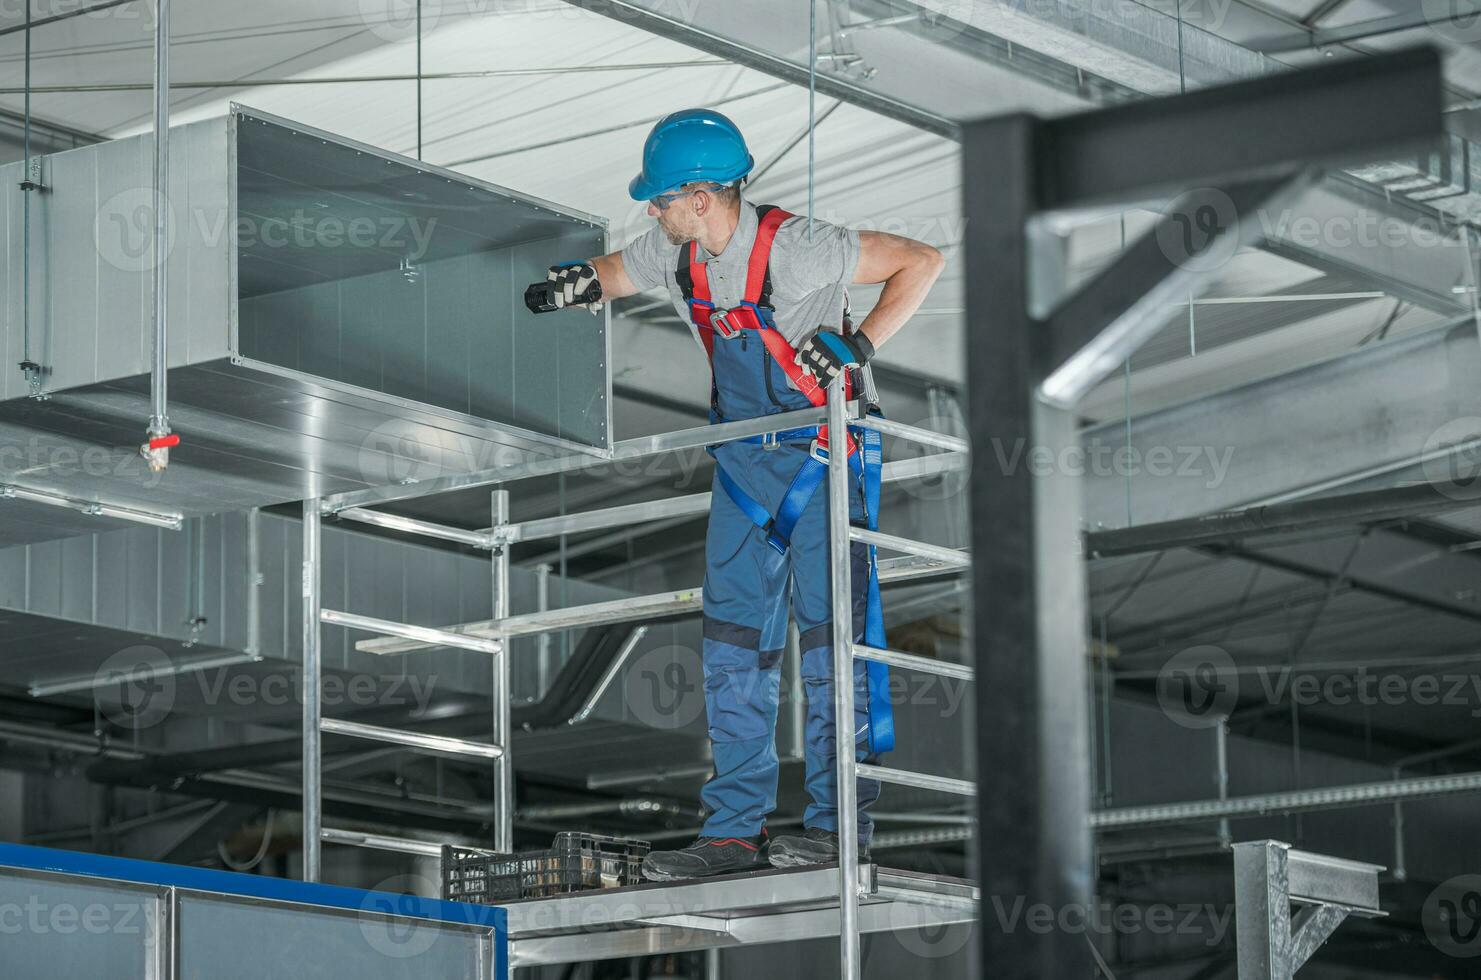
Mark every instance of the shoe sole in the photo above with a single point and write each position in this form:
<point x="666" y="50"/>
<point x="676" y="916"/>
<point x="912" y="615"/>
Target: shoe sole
<point x="652" y="875"/>
<point x="793" y="861"/>
<point x="786" y="859"/>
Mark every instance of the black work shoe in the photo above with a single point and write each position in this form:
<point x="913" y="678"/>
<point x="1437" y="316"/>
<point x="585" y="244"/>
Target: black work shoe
<point x="707" y="856"/>
<point x="815" y="846"/>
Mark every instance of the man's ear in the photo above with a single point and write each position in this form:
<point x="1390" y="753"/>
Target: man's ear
<point x="702" y="201"/>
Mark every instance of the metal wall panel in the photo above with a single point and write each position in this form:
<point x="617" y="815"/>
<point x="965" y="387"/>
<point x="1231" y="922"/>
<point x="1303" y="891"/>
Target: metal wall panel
<point x="70" y="929"/>
<point x="228" y="939"/>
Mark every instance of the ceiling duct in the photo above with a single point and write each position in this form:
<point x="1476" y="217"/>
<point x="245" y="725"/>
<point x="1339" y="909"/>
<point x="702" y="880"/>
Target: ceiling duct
<point x="342" y="318"/>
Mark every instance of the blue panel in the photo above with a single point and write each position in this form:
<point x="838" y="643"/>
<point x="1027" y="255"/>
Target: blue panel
<point x="250" y="886"/>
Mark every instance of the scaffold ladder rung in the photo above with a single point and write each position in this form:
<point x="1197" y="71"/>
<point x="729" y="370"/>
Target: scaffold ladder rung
<point x="909" y="661"/>
<point x="437" y="744"/>
<point x="919" y="780"/>
<point x="423" y="634"/>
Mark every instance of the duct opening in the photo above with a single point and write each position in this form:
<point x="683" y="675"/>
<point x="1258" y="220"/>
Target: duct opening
<point x="366" y="270"/>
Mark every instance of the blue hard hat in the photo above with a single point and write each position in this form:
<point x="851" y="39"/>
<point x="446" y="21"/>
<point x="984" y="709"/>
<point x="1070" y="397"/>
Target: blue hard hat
<point x="689" y="146"/>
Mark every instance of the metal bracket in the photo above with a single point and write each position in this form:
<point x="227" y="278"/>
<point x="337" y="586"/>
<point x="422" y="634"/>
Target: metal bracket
<point x="1268" y="877"/>
<point x="33" y="179"/>
<point x="35" y="373"/>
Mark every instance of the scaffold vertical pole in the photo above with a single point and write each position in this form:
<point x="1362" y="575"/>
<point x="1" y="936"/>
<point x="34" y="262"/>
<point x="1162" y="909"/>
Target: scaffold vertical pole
<point x="504" y="765"/>
<point x="843" y="685"/>
<point x="312" y="685"/>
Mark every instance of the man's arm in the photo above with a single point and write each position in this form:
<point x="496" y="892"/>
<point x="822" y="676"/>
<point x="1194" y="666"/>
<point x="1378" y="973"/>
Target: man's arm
<point x="907" y="268"/>
<point x="613" y="277"/>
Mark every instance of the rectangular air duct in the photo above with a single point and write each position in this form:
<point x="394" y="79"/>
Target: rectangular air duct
<point x="340" y="318"/>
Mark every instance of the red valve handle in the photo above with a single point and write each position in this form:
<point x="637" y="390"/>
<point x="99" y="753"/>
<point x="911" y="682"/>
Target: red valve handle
<point x="164" y="442"/>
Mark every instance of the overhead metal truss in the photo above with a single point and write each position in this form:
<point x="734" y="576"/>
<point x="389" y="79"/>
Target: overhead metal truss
<point x="1034" y="352"/>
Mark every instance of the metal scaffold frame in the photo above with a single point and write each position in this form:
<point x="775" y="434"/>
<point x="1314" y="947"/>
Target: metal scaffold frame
<point x="904" y="901"/>
<point x="1045" y="350"/>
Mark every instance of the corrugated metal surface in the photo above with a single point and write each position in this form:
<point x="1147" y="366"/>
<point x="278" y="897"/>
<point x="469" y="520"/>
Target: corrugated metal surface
<point x="67" y="605"/>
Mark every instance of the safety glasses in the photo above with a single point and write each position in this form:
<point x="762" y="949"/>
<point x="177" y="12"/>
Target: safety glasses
<point x="662" y="201"/>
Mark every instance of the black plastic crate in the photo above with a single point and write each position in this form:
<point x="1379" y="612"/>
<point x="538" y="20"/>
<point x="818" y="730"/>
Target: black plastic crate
<point x="575" y="862"/>
<point x="479" y="877"/>
<point x="581" y="862"/>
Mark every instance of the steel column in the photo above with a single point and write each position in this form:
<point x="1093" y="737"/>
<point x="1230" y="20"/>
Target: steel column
<point x="1028" y="583"/>
<point x="843" y="692"/>
<point x="504" y="764"/>
<point x="313" y="787"/>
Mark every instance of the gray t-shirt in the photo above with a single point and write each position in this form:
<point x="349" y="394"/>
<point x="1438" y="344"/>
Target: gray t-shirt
<point x="808" y="278"/>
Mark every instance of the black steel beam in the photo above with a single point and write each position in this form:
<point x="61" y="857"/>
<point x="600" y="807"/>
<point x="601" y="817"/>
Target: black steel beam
<point x="1368" y="507"/>
<point x="1351" y="111"/>
<point x="1032" y="751"/>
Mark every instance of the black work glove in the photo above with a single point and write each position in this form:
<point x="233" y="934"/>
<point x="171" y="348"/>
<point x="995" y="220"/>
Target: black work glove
<point x="569" y="285"/>
<point x="827" y="355"/>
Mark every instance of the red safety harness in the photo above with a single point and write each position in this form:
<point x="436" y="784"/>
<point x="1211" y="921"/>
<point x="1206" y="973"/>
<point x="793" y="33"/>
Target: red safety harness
<point x="754" y="312"/>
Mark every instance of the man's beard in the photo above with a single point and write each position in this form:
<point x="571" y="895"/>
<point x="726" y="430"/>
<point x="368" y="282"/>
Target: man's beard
<point x="674" y="237"/>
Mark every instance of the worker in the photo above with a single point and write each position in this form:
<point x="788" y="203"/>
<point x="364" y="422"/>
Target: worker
<point x="765" y="293"/>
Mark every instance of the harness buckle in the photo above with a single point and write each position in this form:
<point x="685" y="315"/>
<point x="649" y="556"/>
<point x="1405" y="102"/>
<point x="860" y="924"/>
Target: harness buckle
<point x="769" y="441"/>
<point x="720" y="323"/>
<point x="818" y="450"/>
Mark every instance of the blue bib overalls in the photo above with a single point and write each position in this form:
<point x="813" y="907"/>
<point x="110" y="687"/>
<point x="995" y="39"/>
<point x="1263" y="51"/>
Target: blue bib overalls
<point x="753" y="573"/>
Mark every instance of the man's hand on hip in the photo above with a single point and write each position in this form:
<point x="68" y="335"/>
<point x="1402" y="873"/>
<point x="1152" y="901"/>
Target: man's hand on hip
<point x="827" y="355"/>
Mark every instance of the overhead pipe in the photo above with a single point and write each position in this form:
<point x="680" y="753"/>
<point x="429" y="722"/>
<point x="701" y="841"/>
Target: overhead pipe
<point x="156" y="450"/>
